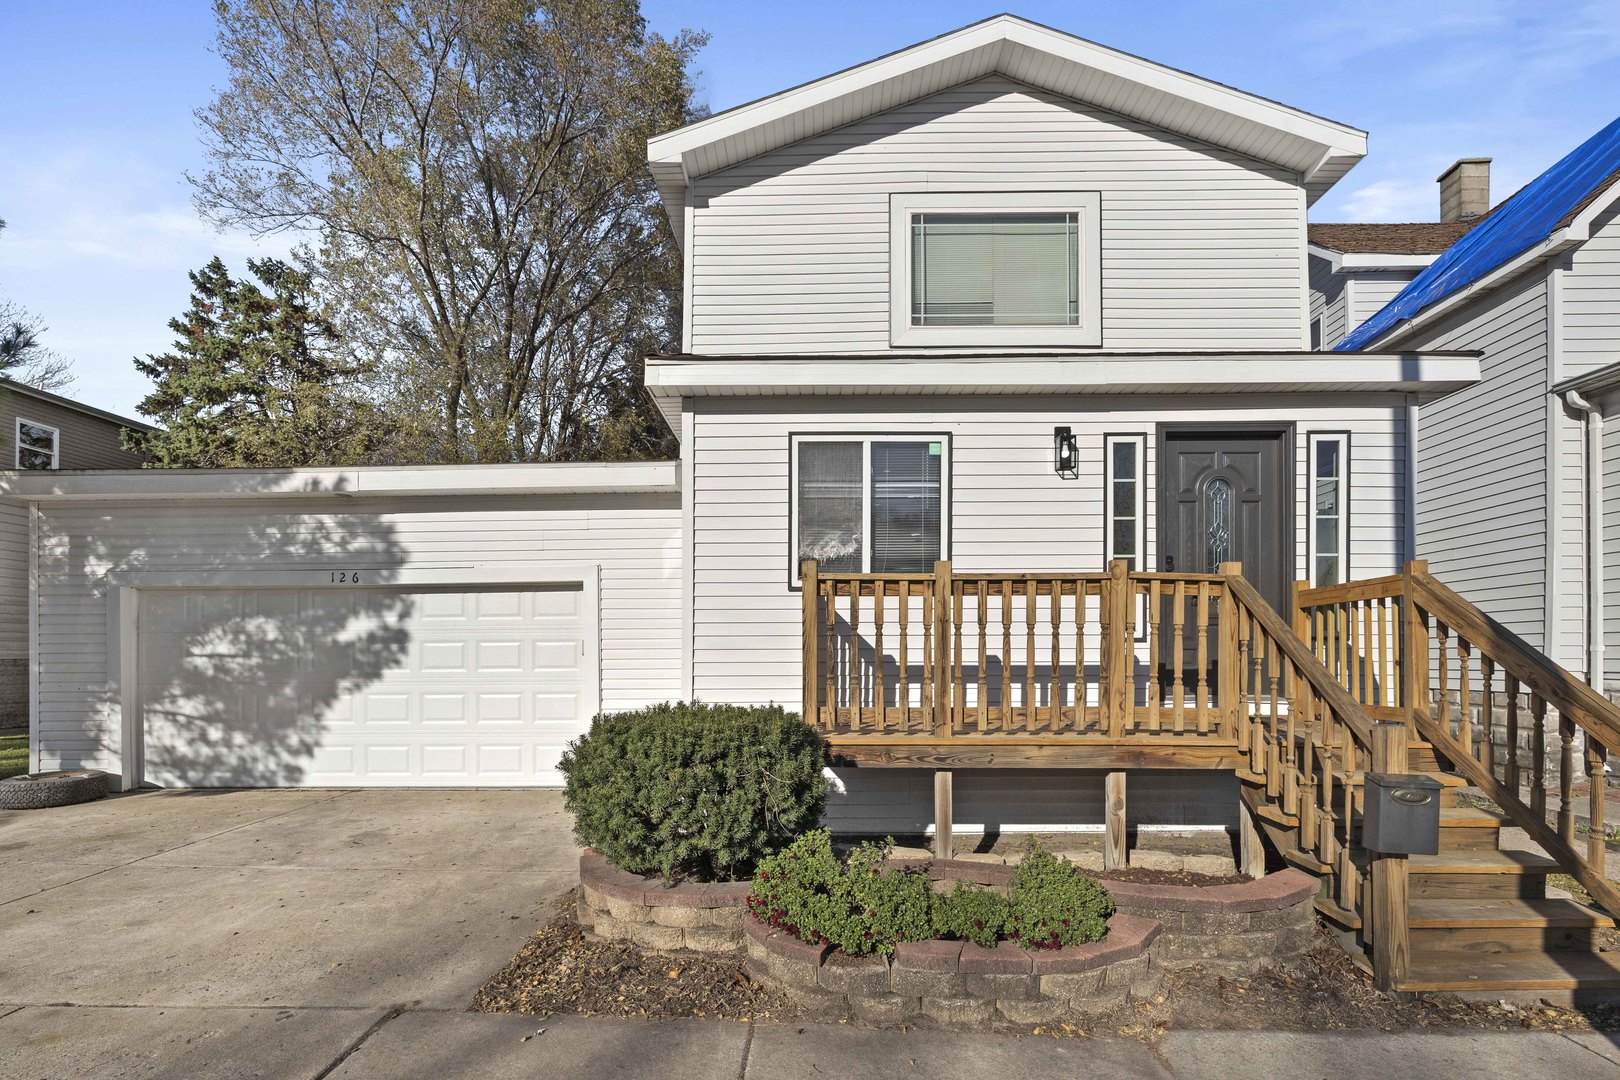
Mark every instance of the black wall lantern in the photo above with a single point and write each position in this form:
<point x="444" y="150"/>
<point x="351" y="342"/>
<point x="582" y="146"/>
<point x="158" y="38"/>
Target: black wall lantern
<point x="1065" y="453"/>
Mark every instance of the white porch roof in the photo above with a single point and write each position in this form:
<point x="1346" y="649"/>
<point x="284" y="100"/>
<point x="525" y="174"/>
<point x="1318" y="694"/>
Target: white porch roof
<point x="1430" y="374"/>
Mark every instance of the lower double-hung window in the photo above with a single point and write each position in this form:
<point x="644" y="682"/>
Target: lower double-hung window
<point x="870" y="504"/>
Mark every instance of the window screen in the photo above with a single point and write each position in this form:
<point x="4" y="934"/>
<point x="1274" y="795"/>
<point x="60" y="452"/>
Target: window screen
<point x="995" y="269"/>
<point x="830" y="504"/>
<point x="905" y="507"/>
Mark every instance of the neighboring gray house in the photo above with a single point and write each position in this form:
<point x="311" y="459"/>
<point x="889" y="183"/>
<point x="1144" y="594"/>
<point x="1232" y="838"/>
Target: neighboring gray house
<point x="1518" y="474"/>
<point x="41" y="431"/>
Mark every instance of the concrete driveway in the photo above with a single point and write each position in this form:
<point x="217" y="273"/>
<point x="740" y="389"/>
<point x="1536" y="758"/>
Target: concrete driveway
<point x="296" y="919"/>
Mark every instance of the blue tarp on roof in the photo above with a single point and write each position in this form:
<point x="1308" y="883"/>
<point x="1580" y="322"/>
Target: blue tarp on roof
<point x="1529" y="217"/>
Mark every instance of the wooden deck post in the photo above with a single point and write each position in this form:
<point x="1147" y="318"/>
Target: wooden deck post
<point x="1391" y="932"/>
<point x="1227" y="660"/>
<point x="1115" y="856"/>
<point x="943" y="811"/>
<point x="1251" y="850"/>
<point x="1117" y="649"/>
<point x="812" y="641"/>
<point x="1414" y="648"/>
<point x="942" y="653"/>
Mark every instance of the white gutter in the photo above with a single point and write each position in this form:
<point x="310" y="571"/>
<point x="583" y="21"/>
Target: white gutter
<point x="1593" y="419"/>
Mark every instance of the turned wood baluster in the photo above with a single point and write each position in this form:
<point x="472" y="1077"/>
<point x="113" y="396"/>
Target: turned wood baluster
<point x="1486" y="750"/>
<point x="1538" y="756"/>
<point x="1054" y="692"/>
<point x="1465" y="718"/>
<point x="830" y="593"/>
<point x="1368" y="651"/>
<point x="1155" y="692"/>
<point x="1079" y="655"/>
<point x="1307" y="798"/>
<point x="1326" y="839"/>
<point x="855" y="717"/>
<point x="1566" y="778"/>
<point x="1178" y="658"/>
<point x="1006" y="656"/>
<point x="1596" y="846"/>
<point x="1274" y="670"/>
<point x="1202" y="698"/>
<point x="1297" y="725"/>
<point x="1510" y="768"/>
<point x="1241" y="691"/>
<point x="1274" y="749"/>
<point x="925" y="693"/>
<point x="1349" y="875"/>
<point x="880" y="694"/>
<point x="1382" y="689"/>
<point x="1443" y="706"/>
<point x="984" y="656"/>
<point x="904" y="657"/>
<point x="1031" y="609"/>
<point x="959" y="701"/>
<point x="1257" y="736"/>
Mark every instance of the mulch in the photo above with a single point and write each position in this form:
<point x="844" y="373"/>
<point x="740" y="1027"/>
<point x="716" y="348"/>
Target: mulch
<point x="561" y="970"/>
<point x="1143" y="876"/>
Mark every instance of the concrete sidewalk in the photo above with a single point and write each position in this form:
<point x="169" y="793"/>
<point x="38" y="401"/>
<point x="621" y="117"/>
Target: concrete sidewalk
<point x="97" y="1043"/>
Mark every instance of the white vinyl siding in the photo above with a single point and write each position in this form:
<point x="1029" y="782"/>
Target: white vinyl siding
<point x="635" y="540"/>
<point x="1201" y="247"/>
<point x="13" y="580"/>
<point x="1369" y="291"/>
<point x="1009" y="510"/>
<point x="1482" y="461"/>
<point x="1327" y="301"/>
<point x="1591" y="300"/>
<point x="1611" y="542"/>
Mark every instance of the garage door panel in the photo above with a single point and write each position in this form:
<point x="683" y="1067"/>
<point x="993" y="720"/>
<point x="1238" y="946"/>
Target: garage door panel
<point x="361" y="687"/>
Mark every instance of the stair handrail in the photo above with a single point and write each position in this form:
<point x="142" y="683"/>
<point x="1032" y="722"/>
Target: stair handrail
<point x="1578" y="704"/>
<point x="1385" y="908"/>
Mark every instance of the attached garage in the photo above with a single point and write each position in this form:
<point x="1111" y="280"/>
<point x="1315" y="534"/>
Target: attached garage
<point x="444" y="626"/>
<point x="363" y="686"/>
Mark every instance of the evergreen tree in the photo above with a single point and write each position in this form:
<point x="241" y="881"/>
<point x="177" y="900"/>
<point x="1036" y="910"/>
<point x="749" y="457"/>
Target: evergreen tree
<point x="257" y="378"/>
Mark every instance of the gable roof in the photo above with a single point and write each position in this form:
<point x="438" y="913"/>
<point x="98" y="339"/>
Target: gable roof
<point x="12" y="386"/>
<point x="1532" y="217"/>
<point x="1392" y="238"/>
<point x="1320" y="150"/>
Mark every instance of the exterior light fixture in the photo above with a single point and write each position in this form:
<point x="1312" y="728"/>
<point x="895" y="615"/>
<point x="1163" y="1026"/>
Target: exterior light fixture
<point x="1065" y="453"/>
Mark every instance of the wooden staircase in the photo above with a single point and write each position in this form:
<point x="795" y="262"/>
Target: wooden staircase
<point x="1435" y="681"/>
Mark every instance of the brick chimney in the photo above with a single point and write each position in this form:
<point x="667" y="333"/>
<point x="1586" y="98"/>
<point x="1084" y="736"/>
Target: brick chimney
<point x="1465" y="189"/>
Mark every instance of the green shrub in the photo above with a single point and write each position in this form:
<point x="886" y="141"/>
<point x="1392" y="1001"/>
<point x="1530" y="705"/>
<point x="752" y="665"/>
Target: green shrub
<point x="972" y="914"/>
<point x="1054" y="904"/>
<point x="700" y="790"/>
<point x="856" y="905"/>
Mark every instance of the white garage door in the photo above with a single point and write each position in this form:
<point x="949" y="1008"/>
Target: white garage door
<point x="338" y="687"/>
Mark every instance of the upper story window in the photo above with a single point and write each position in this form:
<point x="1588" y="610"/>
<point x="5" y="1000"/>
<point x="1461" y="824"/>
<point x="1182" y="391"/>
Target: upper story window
<point x="37" y="445"/>
<point x="995" y="269"/>
<point x="870" y="504"/>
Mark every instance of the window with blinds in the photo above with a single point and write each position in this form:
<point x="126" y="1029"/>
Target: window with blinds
<point x="1329" y="533"/>
<point x="1002" y="269"/>
<point x="870" y="505"/>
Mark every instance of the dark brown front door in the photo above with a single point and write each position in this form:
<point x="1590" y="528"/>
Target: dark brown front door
<point x="1224" y="496"/>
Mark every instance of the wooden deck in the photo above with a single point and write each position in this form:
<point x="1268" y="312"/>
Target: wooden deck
<point x="1125" y="671"/>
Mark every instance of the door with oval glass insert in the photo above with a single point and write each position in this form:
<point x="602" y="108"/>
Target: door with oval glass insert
<point x="1224" y="496"/>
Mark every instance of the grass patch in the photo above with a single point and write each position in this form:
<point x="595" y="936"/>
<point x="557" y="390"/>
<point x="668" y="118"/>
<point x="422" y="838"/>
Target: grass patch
<point x="13" y="755"/>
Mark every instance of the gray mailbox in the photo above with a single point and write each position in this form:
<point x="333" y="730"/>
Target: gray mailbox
<point x="1401" y="815"/>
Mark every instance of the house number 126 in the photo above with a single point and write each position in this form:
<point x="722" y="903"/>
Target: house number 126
<point x="345" y="577"/>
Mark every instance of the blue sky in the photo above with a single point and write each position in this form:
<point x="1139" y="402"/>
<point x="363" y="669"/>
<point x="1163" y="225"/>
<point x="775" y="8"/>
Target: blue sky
<point x="98" y="97"/>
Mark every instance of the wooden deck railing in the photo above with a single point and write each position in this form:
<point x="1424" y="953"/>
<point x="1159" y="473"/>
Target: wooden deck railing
<point x="1502" y="714"/>
<point x="1140" y="659"/>
<point x="1103" y="656"/>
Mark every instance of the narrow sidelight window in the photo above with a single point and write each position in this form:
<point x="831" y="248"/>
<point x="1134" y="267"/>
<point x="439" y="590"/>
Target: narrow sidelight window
<point x="1329" y="509"/>
<point x="870" y="505"/>
<point x="1123" y="503"/>
<point x="36" y="445"/>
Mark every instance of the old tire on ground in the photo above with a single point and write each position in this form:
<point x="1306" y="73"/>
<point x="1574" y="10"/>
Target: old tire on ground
<point x="36" y="791"/>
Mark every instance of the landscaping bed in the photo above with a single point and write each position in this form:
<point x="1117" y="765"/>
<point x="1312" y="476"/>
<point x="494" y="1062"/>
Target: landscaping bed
<point x="562" y="970"/>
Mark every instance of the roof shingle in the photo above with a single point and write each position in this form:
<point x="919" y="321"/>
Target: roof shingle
<point x="1396" y="238"/>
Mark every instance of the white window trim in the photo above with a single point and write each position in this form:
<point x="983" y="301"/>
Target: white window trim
<point x="1140" y="442"/>
<point x="1343" y="439"/>
<point x="17" y="446"/>
<point x="1087" y="204"/>
<point x="866" y="440"/>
